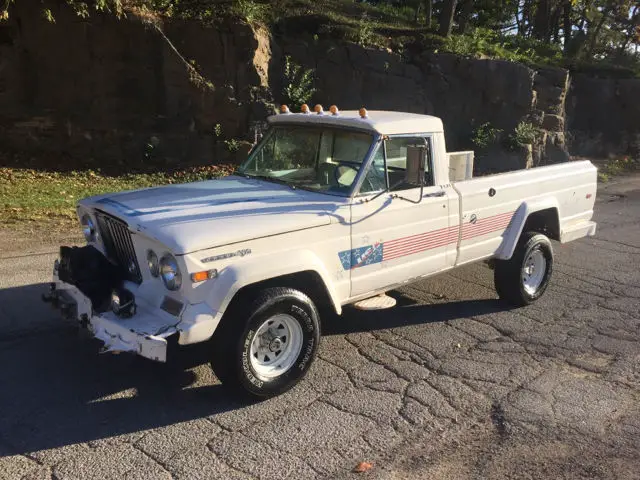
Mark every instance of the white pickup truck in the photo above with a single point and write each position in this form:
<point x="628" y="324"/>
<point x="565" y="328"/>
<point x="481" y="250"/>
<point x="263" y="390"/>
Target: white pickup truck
<point x="330" y="209"/>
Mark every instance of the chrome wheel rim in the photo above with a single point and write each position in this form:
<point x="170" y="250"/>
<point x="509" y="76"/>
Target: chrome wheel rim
<point x="533" y="271"/>
<point x="275" y="346"/>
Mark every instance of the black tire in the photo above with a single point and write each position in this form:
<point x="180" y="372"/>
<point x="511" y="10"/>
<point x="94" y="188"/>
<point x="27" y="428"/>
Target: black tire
<point x="508" y="274"/>
<point x="232" y="341"/>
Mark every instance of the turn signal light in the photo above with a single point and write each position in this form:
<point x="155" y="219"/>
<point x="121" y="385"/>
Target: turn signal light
<point x="304" y="108"/>
<point x="204" y="275"/>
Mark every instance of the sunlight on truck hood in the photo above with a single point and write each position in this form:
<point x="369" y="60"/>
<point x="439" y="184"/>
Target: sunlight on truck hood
<point x="195" y="216"/>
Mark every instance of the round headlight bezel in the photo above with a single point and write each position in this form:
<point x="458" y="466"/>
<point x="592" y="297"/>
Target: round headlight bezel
<point x="153" y="263"/>
<point x="170" y="272"/>
<point x="88" y="228"/>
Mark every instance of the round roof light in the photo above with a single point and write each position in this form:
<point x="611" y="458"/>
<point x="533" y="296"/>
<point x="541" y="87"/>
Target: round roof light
<point x="363" y="112"/>
<point x="284" y="109"/>
<point x="304" y="108"/>
<point x="318" y="109"/>
<point x="334" y="110"/>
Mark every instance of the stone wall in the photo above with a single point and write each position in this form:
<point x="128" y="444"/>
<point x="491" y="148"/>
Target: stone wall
<point x="465" y="93"/>
<point x="101" y="90"/>
<point x="163" y="93"/>
<point x="603" y="116"/>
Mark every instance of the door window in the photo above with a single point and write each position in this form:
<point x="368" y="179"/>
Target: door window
<point x="396" y="152"/>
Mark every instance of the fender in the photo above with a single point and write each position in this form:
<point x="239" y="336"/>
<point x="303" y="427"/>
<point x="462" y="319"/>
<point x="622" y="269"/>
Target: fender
<point x="514" y="230"/>
<point x="200" y="322"/>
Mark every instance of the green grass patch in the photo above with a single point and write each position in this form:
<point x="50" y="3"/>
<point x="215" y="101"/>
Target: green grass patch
<point x="617" y="166"/>
<point x="30" y="195"/>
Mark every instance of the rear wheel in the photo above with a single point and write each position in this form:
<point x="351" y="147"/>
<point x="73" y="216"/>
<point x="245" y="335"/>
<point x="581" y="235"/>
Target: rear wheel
<point x="524" y="278"/>
<point x="267" y="347"/>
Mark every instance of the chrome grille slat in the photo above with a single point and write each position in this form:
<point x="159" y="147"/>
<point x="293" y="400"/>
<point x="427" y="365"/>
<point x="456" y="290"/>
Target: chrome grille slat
<point x="118" y="245"/>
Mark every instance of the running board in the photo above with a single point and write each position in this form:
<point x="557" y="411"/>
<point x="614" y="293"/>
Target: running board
<point x="379" y="302"/>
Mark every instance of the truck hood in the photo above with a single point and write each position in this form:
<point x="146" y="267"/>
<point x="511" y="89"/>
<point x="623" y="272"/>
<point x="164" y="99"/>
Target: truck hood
<point x="196" y="216"/>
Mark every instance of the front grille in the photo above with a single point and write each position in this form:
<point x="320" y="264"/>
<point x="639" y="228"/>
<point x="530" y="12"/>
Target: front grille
<point x="118" y="245"/>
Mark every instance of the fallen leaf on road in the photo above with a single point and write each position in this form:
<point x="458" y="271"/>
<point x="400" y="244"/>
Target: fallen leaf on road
<point x="363" y="467"/>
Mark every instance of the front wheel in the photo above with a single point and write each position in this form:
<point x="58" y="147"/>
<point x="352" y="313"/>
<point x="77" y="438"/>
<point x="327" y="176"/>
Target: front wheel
<point x="524" y="278"/>
<point x="267" y="348"/>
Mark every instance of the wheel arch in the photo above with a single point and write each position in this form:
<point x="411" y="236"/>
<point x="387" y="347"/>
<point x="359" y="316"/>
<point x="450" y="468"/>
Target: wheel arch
<point x="542" y="217"/>
<point x="299" y="269"/>
<point x="309" y="282"/>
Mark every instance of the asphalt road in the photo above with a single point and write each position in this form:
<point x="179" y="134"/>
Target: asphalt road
<point x="449" y="384"/>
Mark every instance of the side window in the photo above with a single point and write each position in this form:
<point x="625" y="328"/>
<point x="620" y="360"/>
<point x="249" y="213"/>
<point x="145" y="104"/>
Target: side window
<point x="396" y="150"/>
<point x="375" y="179"/>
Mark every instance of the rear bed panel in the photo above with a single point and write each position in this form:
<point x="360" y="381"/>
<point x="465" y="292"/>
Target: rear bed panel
<point x="493" y="208"/>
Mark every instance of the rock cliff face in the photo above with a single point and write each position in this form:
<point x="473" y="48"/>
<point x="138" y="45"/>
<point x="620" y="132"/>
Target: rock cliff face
<point x="603" y="116"/>
<point x="102" y="91"/>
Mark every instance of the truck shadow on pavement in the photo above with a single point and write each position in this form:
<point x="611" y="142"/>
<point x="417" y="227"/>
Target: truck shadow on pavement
<point x="56" y="391"/>
<point x="407" y="313"/>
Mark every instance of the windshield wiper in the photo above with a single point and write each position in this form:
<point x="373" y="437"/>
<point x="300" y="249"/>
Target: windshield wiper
<point x="268" y="178"/>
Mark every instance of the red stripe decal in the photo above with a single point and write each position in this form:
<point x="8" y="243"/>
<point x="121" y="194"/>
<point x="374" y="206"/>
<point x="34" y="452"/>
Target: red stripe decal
<point x="401" y="247"/>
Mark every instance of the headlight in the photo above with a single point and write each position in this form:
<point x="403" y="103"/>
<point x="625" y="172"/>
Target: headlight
<point x="88" y="228"/>
<point x="152" y="261"/>
<point x="170" y="273"/>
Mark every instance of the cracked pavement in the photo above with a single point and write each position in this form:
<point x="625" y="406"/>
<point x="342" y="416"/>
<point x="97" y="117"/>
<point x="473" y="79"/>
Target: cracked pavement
<point x="449" y="384"/>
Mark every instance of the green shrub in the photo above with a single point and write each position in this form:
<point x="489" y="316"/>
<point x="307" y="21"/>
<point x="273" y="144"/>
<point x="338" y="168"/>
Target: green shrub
<point x="486" y="43"/>
<point x="298" y="84"/>
<point x="486" y="135"/>
<point x="364" y="31"/>
<point x="525" y="133"/>
<point x="233" y="145"/>
<point x="252" y="12"/>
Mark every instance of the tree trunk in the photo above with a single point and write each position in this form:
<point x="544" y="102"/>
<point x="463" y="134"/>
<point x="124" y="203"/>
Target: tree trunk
<point x="555" y="25"/>
<point x="428" y="12"/>
<point x="542" y="21"/>
<point x="567" y="24"/>
<point x="465" y="15"/>
<point x="446" y="17"/>
<point x="526" y="17"/>
<point x="631" y="29"/>
<point x="594" y="37"/>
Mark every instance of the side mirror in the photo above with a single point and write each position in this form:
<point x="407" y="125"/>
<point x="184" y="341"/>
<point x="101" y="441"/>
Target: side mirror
<point x="416" y="158"/>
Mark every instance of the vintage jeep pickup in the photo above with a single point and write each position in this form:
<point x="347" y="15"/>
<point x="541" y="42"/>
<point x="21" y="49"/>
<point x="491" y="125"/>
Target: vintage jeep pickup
<point x="330" y="209"/>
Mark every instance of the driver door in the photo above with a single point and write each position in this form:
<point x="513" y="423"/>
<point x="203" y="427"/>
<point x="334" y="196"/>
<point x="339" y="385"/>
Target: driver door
<point x="392" y="238"/>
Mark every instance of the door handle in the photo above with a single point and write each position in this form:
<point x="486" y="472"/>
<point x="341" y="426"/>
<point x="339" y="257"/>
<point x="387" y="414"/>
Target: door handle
<point x="435" y="194"/>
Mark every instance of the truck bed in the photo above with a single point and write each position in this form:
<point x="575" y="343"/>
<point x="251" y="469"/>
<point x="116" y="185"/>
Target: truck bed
<point x="491" y="209"/>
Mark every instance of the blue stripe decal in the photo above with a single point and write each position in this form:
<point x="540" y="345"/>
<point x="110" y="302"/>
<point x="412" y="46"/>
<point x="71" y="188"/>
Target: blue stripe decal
<point x="362" y="256"/>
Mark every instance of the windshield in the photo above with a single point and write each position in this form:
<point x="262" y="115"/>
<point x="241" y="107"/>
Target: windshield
<point x="322" y="159"/>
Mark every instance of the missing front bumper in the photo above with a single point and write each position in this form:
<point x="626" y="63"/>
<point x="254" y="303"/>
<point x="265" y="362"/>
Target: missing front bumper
<point x="145" y="334"/>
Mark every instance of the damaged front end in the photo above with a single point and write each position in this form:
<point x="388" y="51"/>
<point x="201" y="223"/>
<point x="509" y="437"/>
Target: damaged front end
<point x="90" y="289"/>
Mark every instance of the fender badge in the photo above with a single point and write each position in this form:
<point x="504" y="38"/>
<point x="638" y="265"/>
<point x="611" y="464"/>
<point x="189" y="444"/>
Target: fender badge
<point x="473" y="219"/>
<point x="239" y="253"/>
